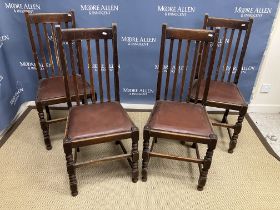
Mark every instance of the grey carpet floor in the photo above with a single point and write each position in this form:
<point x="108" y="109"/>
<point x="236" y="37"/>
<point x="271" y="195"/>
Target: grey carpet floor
<point x="33" y="178"/>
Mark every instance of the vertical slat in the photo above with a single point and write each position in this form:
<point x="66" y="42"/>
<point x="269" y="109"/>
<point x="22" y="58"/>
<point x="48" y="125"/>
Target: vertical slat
<point x="176" y="69"/>
<point x="206" y="16"/>
<point x="41" y="50"/>
<point x="66" y="25"/>
<point x="211" y="65"/>
<point x="90" y="71"/>
<point x="33" y="46"/>
<point x="199" y="59"/>
<point x="77" y="53"/>
<point x="221" y="54"/>
<point x="234" y="54"/>
<point x="81" y="67"/>
<point x="56" y="50"/>
<point x="185" y="69"/>
<point x="49" y="48"/>
<point x="161" y="59"/>
<point x="116" y="62"/>
<point x="99" y="69"/>
<point x="74" y="75"/>
<point x="202" y="69"/>
<point x="168" y="68"/>
<point x="193" y="71"/>
<point x="243" y="51"/>
<point x="107" y="69"/>
<point x="63" y="65"/>
<point x="227" y="55"/>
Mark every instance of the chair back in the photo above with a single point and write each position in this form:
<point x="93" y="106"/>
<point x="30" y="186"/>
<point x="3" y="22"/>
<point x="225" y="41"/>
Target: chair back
<point x="44" y="44"/>
<point x="197" y="65"/>
<point x="234" y="33"/>
<point x="71" y="42"/>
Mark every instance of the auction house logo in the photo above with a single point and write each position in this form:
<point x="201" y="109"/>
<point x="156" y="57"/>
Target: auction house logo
<point x="138" y="41"/>
<point x="21" y="8"/>
<point x="175" y="10"/>
<point x="103" y="67"/>
<point x="252" y="12"/>
<point x="244" y="70"/>
<point x="172" y="68"/>
<point x="137" y="91"/>
<point x="3" y="39"/>
<point x="100" y="9"/>
<point x="220" y="42"/>
<point x="19" y="90"/>
<point x="32" y="66"/>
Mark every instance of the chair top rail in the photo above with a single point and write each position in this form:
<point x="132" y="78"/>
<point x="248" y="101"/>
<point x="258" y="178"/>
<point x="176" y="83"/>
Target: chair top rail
<point x="50" y="17"/>
<point x="190" y="34"/>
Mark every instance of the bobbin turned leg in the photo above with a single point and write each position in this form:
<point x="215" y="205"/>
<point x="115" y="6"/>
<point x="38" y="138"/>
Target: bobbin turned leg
<point x="237" y="129"/>
<point x="145" y="154"/>
<point x="207" y="163"/>
<point x="135" y="154"/>
<point x="70" y="166"/>
<point x="44" y="125"/>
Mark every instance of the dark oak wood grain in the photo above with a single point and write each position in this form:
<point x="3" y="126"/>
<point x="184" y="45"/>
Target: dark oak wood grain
<point x="43" y="42"/>
<point x="101" y="38"/>
<point x="195" y="68"/>
<point x="233" y="48"/>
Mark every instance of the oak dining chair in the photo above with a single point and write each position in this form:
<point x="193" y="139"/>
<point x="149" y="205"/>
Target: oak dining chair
<point x="175" y="116"/>
<point x="41" y="30"/>
<point x="101" y="120"/>
<point x="223" y="90"/>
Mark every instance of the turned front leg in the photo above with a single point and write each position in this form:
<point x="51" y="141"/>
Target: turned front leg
<point x="207" y="164"/>
<point x="44" y="126"/>
<point x="70" y="167"/>
<point x="135" y="155"/>
<point x="237" y="129"/>
<point x="145" y="155"/>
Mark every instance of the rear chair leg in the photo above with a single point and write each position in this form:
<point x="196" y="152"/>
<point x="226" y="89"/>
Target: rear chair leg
<point x="44" y="126"/>
<point x="224" y="120"/>
<point x="49" y="117"/>
<point x="70" y="167"/>
<point x="135" y="155"/>
<point x="207" y="163"/>
<point x="155" y="139"/>
<point x="145" y="154"/>
<point x="237" y="129"/>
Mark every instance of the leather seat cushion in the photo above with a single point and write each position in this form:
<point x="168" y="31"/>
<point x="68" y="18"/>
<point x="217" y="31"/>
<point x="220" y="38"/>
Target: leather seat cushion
<point x="182" y="118"/>
<point x="53" y="88"/>
<point x="89" y="121"/>
<point x="222" y="92"/>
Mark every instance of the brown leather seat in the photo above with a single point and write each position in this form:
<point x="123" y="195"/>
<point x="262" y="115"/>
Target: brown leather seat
<point x="178" y="117"/>
<point x="53" y="88"/>
<point x="226" y="93"/>
<point x="97" y="120"/>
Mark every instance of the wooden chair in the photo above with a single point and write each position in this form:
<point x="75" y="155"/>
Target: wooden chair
<point x="45" y="52"/>
<point x="174" y="116"/>
<point x="223" y="91"/>
<point x="102" y="121"/>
